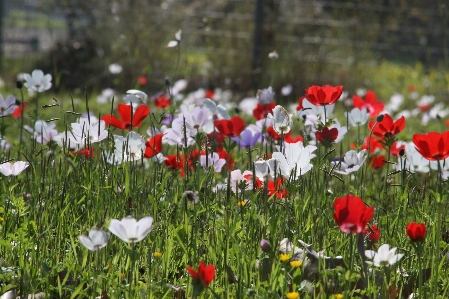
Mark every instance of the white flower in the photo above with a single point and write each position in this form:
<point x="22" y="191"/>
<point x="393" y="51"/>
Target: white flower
<point x="311" y="113"/>
<point x="7" y="106"/>
<point x="129" y="148"/>
<point x="295" y="162"/>
<point x="237" y="177"/>
<point x="213" y="160"/>
<point x="135" y="96"/>
<point x="247" y="105"/>
<point x="287" y="90"/>
<point x="89" y="133"/>
<point x="383" y="257"/>
<point x="68" y="140"/>
<point x="352" y="161"/>
<point x="273" y="55"/>
<point x="175" y="135"/>
<point x="105" y="96"/>
<point x="282" y="122"/>
<point x="265" y="96"/>
<point x="174" y="43"/>
<point x="97" y="239"/>
<point x="129" y="230"/>
<point x="43" y="132"/>
<point x="342" y="130"/>
<point x="179" y="86"/>
<point x="13" y="168"/>
<point x="265" y="170"/>
<point x="37" y="81"/>
<point x="358" y="117"/>
<point x="115" y="68"/>
<point x="216" y="109"/>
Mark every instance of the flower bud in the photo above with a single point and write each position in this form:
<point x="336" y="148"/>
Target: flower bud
<point x="264" y="245"/>
<point x="379" y="118"/>
<point x="19" y="84"/>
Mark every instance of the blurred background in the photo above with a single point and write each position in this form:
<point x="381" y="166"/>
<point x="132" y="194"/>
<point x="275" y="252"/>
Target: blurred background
<point x="384" y="45"/>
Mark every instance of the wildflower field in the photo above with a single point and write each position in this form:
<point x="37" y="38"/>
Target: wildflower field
<point x="193" y="195"/>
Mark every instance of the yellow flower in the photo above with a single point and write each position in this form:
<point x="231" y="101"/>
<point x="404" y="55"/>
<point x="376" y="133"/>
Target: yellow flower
<point x="122" y="275"/>
<point x="292" y="295"/>
<point x="284" y="257"/>
<point x="338" y="296"/>
<point x="295" y="264"/>
<point x="2" y="219"/>
<point x="157" y="254"/>
<point x="241" y="203"/>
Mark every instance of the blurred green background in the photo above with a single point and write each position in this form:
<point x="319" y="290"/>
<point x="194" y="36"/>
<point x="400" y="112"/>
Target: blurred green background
<point x="383" y="45"/>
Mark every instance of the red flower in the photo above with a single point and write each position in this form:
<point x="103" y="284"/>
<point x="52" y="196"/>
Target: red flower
<point x="210" y="93"/>
<point x="87" y="152"/>
<point x="374" y="107"/>
<point x="377" y="162"/>
<point x="204" y="276"/>
<point x="143" y="80"/>
<point x="387" y="128"/>
<point x="372" y="232"/>
<point x="396" y="149"/>
<point x="372" y="143"/>
<point x="432" y="146"/>
<point x="222" y="154"/>
<point x="273" y="188"/>
<point x="416" y="232"/>
<point x="325" y="95"/>
<point x="351" y="214"/>
<point x="289" y="139"/>
<point x="128" y="119"/>
<point x="153" y="146"/>
<point x="261" y="111"/>
<point x="300" y="106"/>
<point x="230" y="127"/>
<point x="162" y="101"/>
<point x="18" y="112"/>
<point x="327" y="135"/>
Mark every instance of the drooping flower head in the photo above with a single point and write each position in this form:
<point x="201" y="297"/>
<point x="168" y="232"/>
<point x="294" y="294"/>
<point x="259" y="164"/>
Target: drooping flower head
<point x="351" y="214"/>
<point x="13" y="168"/>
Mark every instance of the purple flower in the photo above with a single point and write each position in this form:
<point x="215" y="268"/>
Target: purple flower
<point x="247" y="138"/>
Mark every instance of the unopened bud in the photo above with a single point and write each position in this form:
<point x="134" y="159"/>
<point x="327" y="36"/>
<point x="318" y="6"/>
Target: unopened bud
<point x="401" y="152"/>
<point x="264" y="245"/>
<point x="379" y="118"/>
<point x="19" y="84"/>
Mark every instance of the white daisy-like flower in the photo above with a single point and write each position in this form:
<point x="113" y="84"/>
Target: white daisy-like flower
<point x="96" y="240"/>
<point x="383" y="257"/>
<point x="351" y="162"/>
<point x="358" y="117"/>
<point x="13" y="168"/>
<point x="37" y="81"/>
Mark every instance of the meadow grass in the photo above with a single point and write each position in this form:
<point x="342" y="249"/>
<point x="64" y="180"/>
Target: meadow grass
<point x="61" y="196"/>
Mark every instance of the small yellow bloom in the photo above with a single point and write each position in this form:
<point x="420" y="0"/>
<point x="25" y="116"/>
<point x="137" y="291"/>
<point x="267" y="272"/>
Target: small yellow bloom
<point x="338" y="296"/>
<point x="284" y="257"/>
<point x="122" y="275"/>
<point x="2" y="219"/>
<point x="241" y="203"/>
<point x="295" y="264"/>
<point x="292" y="295"/>
<point x="157" y="254"/>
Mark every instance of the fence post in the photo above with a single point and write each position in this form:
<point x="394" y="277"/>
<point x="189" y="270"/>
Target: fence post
<point x="256" y="66"/>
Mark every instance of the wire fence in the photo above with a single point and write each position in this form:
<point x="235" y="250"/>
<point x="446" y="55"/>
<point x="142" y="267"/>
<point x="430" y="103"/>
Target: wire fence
<point x="225" y="32"/>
